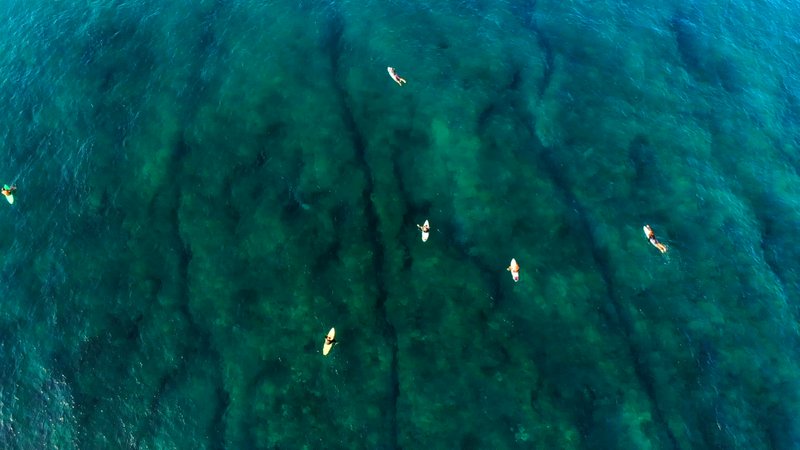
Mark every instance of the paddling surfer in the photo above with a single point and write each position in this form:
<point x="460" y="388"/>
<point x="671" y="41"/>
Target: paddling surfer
<point x="8" y="190"/>
<point x="397" y="79"/>
<point x="514" y="269"/>
<point x="330" y="339"/>
<point x="651" y="236"/>
<point x="426" y="229"/>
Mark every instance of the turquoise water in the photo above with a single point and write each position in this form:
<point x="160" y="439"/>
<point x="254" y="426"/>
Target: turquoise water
<point x="206" y="188"/>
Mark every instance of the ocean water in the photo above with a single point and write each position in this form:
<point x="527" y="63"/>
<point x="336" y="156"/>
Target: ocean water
<point x="206" y="187"/>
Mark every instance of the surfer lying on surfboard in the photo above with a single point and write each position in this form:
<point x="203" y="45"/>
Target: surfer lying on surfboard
<point x="397" y="79"/>
<point x="8" y="191"/>
<point x="651" y="236"/>
<point x="330" y="339"/>
<point x="514" y="269"/>
<point x="426" y="229"/>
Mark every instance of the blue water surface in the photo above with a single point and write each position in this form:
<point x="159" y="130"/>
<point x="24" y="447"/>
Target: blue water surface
<point x="205" y="188"/>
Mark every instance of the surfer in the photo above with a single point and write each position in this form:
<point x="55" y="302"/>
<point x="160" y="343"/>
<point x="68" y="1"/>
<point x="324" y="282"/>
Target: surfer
<point x="395" y="76"/>
<point x="651" y="236"/>
<point x="330" y="339"/>
<point x="514" y="269"/>
<point x="426" y="229"/>
<point x="8" y="191"/>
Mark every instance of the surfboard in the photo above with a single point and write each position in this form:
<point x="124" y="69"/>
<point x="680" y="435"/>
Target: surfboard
<point x="326" y="347"/>
<point x="514" y="273"/>
<point x="425" y="234"/>
<point x="10" y="198"/>
<point x="646" y="229"/>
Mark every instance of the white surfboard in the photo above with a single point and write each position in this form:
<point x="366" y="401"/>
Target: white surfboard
<point x="425" y="234"/>
<point x="647" y="230"/>
<point x="326" y="347"/>
<point x="10" y="198"/>
<point x="514" y="269"/>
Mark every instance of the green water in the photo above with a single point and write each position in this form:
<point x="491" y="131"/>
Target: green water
<point x="205" y="188"/>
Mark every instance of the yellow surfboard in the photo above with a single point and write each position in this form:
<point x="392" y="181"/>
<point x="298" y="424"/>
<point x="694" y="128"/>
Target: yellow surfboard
<point x="326" y="347"/>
